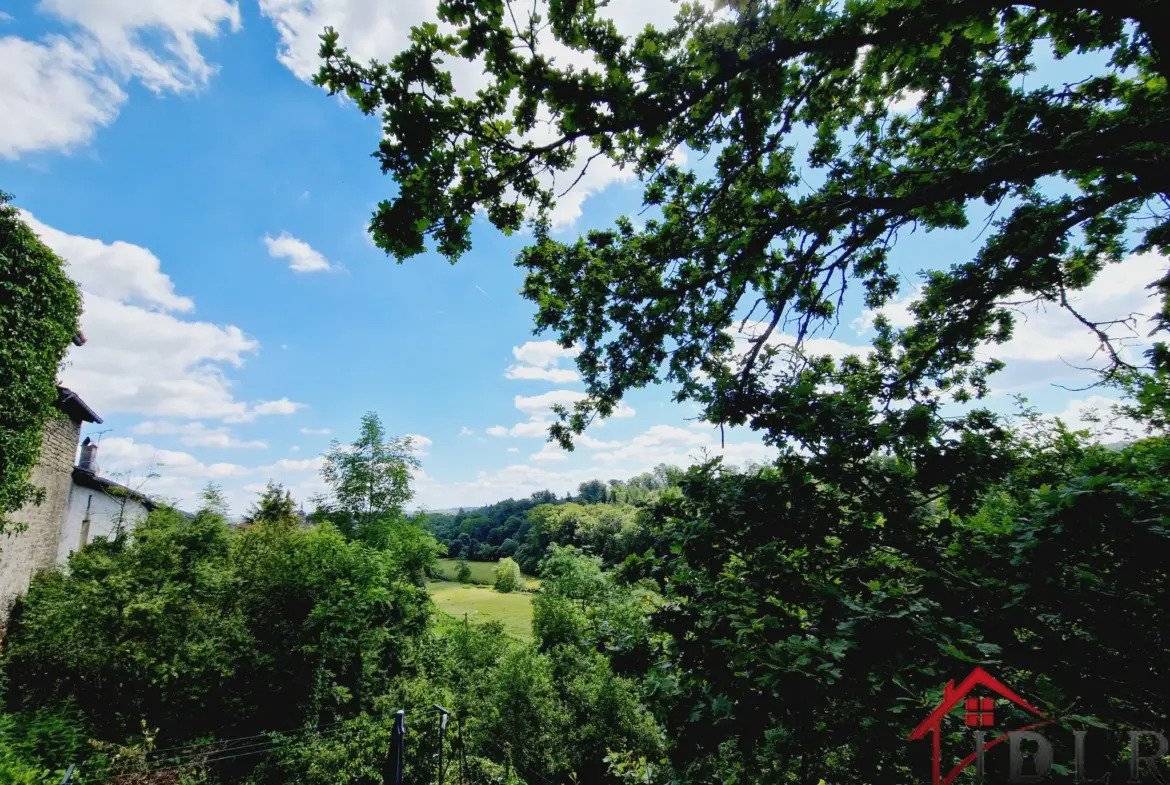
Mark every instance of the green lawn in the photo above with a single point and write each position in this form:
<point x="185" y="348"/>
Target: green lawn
<point x="480" y="603"/>
<point x="482" y="572"/>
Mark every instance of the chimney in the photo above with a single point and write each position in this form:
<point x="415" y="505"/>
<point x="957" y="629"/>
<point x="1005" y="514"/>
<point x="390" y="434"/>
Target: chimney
<point x="88" y="460"/>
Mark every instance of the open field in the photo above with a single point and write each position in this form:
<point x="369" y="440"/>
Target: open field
<point x="513" y="610"/>
<point x="482" y="572"/>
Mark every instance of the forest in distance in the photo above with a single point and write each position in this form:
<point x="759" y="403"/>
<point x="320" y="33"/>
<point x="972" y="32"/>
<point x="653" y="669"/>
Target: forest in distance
<point x="786" y="623"/>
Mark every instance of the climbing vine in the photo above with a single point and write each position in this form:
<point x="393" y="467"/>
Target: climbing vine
<point x="39" y="309"/>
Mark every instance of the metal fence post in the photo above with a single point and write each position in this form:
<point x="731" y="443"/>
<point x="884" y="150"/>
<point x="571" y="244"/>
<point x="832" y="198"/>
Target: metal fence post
<point x="69" y="774"/>
<point x="392" y="771"/>
<point x="443" y="715"/>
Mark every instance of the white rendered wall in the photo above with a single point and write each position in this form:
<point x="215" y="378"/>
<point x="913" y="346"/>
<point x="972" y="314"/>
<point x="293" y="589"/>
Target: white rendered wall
<point x="105" y="511"/>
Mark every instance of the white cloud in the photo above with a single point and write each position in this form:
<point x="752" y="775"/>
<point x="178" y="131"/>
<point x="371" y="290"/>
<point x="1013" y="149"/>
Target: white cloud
<point x="1049" y="344"/>
<point x="139" y="357"/>
<point x="124" y="454"/>
<point x="539" y="410"/>
<point x="52" y="97"/>
<point x="1096" y="415"/>
<point x="541" y="405"/>
<point x="897" y="312"/>
<point x="317" y="431"/>
<point x="380" y="30"/>
<point x="517" y="481"/>
<point x="282" y="406"/>
<point x="421" y="444"/>
<point x="264" y="408"/>
<point x="293" y="465"/>
<point x="549" y="453"/>
<point x="59" y="91"/>
<point x="194" y="434"/>
<point x="465" y="431"/>
<point x="301" y="257"/>
<point x="513" y="449"/>
<point x="585" y="440"/>
<point x="368" y="29"/>
<point x="181" y="476"/>
<point x="119" y="270"/>
<point x="118" y="28"/>
<point x="529" y="372"/>
<point x="295" y="448"/>
<point x="538" y="360"/>
<point x="660" y="444"/>
<point x="153" y="363"/>
<point x="682" y="446"/>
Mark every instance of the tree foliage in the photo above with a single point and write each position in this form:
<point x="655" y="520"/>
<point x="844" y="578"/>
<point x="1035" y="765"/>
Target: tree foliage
<point x="751" y="241"/>
<point x="462" y="571"/>
<point x="39" y="309"/>
<point x="508" y="577"/>
<point x="369" y="480"/>
<point x="213" y="632"/>
<point x="953" y="533"/>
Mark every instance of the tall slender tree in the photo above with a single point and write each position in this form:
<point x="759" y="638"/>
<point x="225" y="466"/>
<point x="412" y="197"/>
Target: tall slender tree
<point x="369" y="480"/>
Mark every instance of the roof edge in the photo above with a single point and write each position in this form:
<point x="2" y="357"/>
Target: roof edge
<point x="71" y="403"/>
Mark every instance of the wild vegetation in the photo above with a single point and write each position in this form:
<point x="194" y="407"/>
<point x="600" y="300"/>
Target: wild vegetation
<point x="781" y="624"/>
<point x="39" y="308"/>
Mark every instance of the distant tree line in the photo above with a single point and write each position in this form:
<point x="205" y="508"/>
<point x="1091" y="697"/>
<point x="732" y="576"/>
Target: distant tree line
<point x="601" y="519"/>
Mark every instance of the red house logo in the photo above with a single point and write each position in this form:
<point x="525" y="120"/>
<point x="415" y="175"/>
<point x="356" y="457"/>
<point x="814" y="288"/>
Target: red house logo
<point x="980" y="713"/>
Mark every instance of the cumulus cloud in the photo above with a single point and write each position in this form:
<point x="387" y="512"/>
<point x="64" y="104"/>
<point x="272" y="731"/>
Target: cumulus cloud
<point x="549" y="453"/>
<point x="53" y="98"/>
<point x="124" y="454"/>
<point x="538" y="360"/>
<point x="374" y="29"/>
<point x="516" y="481"/>
<point x="672" y="445"/>
<point x="465" y="431"/>
<point x="421" y="444"/>
<point x="1049" y="344"/>
<point x="292" y="465"/>
<point x="118" y="271"/>
<point x="301" y="257"/>
<point x="317" y="431"/>
<point x="180" y="476"/>
<point x="1098" y="415"/>
<point x="194" y="434"/>
<point x="658" y="444"/>
<point x="140" y="357"/>
<point x="529" y="372"/>
<point x="540" y="413"/>
<point x="59" y="91"/>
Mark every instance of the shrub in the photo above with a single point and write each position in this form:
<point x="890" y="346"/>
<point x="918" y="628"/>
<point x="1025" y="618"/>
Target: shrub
<point x="508" y="578"/>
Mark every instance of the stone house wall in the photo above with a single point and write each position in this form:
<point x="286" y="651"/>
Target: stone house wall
<point x="35" y="548"/>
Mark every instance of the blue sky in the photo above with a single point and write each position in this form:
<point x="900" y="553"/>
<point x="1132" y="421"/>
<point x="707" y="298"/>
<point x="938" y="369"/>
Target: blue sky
<point x="213" y="203"/>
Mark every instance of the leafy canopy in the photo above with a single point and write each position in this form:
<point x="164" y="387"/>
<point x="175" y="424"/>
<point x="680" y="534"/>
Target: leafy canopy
<point x="508" y="577"/>
<point x="777" y="233"/>
<point x="369" y="480"/>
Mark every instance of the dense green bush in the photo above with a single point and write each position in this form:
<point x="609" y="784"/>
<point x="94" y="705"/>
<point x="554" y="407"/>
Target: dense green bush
<point x="39" y="309"/>
<point x="508" y="577"/>
<point x="202" y="631"/>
